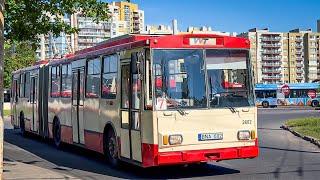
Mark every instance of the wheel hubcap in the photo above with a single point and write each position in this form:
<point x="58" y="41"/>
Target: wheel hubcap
<point x="112" y="148"/>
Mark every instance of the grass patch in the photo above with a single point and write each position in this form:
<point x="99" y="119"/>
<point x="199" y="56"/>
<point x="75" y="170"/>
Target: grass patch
<point x="307" y="126"/>
<point x="6" y="112"/>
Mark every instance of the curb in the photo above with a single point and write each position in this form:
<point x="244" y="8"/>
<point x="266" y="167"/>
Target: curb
<point x="307" y="138"/>
<point x="291" y="108"/>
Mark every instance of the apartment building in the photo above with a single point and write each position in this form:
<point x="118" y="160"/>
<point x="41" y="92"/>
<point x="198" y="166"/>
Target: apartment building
<point x="284" y="57"/>
<point x="125" y="18"/>
<point x="267" y="55"/>
<point x="160" y="29"/>
<point x="208" y="30"/>
<point x="130" y="13"/>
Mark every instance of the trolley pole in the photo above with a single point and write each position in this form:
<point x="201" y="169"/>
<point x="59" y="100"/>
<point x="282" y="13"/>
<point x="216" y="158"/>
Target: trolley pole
<point x="1" y="83"/>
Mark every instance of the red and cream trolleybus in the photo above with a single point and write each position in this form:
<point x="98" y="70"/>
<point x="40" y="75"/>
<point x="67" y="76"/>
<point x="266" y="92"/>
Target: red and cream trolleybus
<point x="150" y="100"/>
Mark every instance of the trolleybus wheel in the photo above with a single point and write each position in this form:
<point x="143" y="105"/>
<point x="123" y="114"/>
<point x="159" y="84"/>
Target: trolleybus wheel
<point x="57" y="133"/>
<point x="315" y="103"/>
<point x="111" y="148"/>
<point x="265" y="104"/>
<point x="22" y="125"/>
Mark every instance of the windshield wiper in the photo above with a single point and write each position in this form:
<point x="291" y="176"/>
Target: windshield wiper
<point x="232" y="109"/>
<point x="176" y="105"/>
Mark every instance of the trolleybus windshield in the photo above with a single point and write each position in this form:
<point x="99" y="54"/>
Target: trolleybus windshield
<point x="180" y="79"/>
<point x="228" y="78"/>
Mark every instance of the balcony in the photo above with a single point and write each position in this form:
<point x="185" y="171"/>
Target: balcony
<point x="271" y="52"/>
<point x="272" y="77"/>
<point x="299" y="65"/>
<point x="299" y="52"/>
<point x="271" y="64"/>
<point x="271" y="45"/>
<point x="299" y="58"/>
<point x="299" y="39"/>
<point x="299" y="77"/>
<point x="299" y="71"/>
<point x="275" y="58"/>
<point x="135" y="15"/>
<point x="271" y="71"/>
<point x="271" y="38"/>
<point x="299" y="46"/>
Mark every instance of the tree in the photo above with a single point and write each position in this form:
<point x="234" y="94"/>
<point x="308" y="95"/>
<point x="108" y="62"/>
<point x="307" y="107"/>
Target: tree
<point x="16" y="56"/>
<point x="1" y="84"/>
<point x="27" y="19"/>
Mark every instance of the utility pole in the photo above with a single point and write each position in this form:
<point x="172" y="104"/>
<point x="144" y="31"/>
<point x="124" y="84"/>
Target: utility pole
<point x="1" y="82"/>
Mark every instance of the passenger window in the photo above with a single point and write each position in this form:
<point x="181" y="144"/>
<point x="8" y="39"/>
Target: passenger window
<point x="21" y="93"/>
<point x="66" y="81"/>
<point x="27" y="85"/>
<point x="93" y="78"/>
<point x="109" y="77"/>
<point x="55" y="81"/>
<point x="125" y="86"/>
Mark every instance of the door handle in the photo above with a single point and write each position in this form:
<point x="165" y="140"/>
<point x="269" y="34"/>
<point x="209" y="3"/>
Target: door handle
<point x="245" y="110"/>
<point x="167" y="113"/>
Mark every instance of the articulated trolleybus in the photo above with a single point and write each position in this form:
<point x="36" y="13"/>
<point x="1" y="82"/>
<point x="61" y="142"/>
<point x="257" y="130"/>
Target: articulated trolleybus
<point x="149" y="100"/>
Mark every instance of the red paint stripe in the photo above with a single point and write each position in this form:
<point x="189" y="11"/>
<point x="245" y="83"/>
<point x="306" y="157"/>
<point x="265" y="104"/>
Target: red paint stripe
<point x="151" y="156"/>
<point x="66" y="134"/>
<point x="93" y="141"/>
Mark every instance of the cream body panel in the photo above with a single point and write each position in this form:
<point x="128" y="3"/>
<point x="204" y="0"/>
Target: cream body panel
<point x="204" y="121"/>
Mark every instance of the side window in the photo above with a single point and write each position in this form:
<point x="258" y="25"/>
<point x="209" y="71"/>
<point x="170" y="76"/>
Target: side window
<point x="66" y="81"/>
<point x="259" y="94"/>
<point x="93" y="78"/>
<point x="27" y="85"/>
<point x="125" y="86"/>
<point x="22" y="78"/>
<point x="55" y="81"/>
<point x="109" y="77"/>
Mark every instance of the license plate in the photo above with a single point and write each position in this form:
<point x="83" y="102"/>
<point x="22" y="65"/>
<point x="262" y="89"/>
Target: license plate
<point x="210" y="136"/>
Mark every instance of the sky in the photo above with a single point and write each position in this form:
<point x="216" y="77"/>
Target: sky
<point x="233" y="15"/>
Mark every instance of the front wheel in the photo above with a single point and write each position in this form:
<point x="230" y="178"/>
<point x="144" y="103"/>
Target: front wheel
<point x="265" y="104"/>
<point x="111" y="149"/>
<point x="315" y="103"/>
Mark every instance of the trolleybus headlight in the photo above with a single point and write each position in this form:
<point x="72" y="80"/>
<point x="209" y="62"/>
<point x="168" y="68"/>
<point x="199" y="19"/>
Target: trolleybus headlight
<point x="253" y="134"/>
<point x="244" y="135"/>
<point x="175" y="139"/>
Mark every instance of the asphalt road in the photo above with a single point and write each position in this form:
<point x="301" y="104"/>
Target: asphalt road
<point x="282" y="156"/>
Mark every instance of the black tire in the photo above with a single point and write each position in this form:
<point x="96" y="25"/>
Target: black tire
<point x="315" y="103"/>
<point x="56" y="133"/>
<point x="110" y="148"/>
<point x="22" y="125"/>
<point x="265" y="104"/>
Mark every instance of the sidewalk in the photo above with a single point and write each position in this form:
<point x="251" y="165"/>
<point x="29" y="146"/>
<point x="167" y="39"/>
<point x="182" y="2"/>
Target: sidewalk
<point x="18" y="170"/>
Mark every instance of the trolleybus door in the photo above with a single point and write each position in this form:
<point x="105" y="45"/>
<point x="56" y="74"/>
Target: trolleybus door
<point x="34" y="104"/>
<point x="77" y="105"/>
<point x="130" y="114"/>
<point x="14" y="101"/>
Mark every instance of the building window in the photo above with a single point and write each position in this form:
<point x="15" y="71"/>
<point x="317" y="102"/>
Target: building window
<point x="93" y="78"/>
<point x="55" y="81"/>
<point x="109" y="77"/>
<point x="66" y="81"/>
